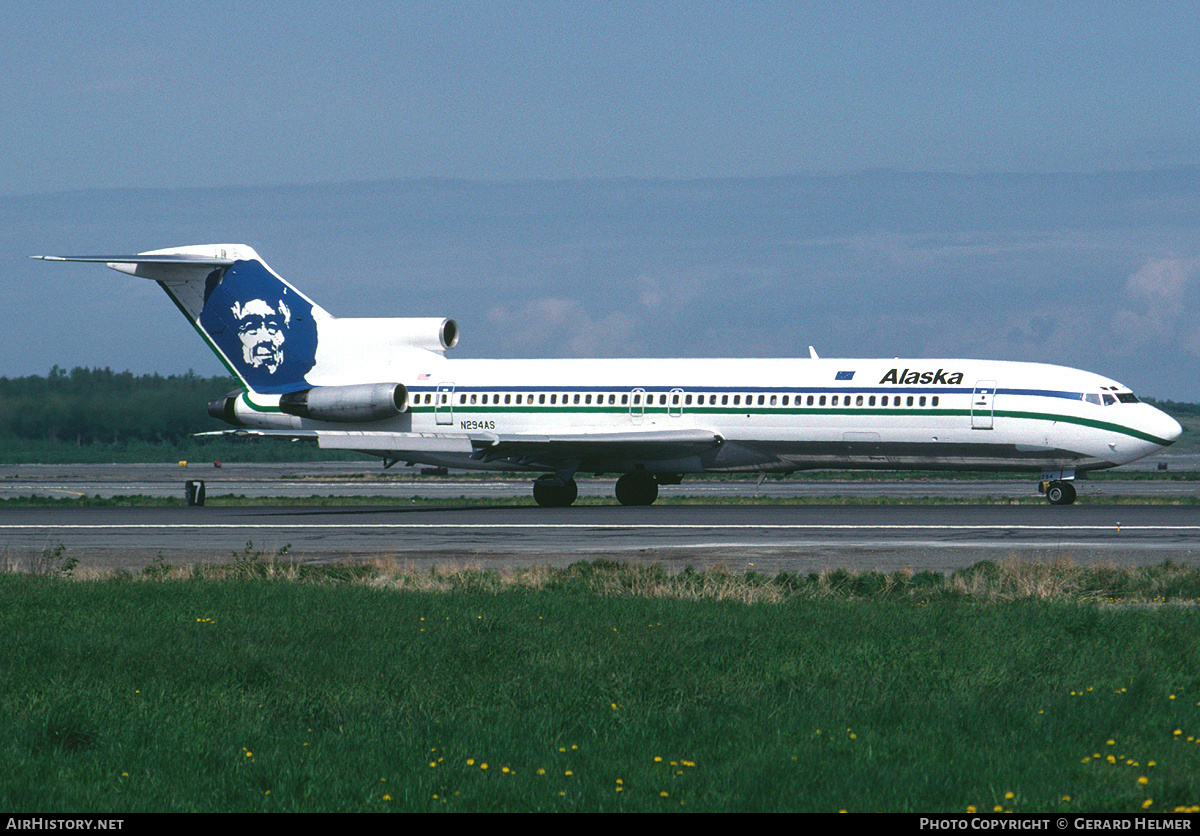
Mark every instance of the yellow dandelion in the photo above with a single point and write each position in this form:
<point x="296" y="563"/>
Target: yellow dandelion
<point x="1147" y="803"/>
<point x="998" y="809"/>
<point x="970" y="808"/>
<point x="470" y="761"/>
<point x="663" y="794"/>
<point x="1008" y="796"/>
<point x="1066" y="798"/>
<point x="483" y="766"/>
<point x="569" y="772"/>
<point x="1143" y="780"/>
<point x="541" y="771"/>
<point x="385" y="798"/>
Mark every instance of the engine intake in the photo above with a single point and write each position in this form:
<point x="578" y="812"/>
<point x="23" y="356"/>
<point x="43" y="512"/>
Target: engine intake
<point x="359" y="402"/>
<point x="224" y="408"/>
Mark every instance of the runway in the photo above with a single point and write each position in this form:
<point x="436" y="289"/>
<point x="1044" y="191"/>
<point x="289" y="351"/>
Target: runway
<point x="767" y="539"/>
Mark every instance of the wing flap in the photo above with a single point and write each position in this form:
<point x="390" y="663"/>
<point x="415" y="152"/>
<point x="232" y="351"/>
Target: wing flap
<point x="577" y="444"/>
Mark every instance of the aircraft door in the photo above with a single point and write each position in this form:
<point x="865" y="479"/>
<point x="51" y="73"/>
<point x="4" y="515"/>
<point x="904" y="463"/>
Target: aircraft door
<point x="443" y="404"/>
<point x="983" y="404"/>
<point x="637" y="405"/>
<point x="675" y="403"/>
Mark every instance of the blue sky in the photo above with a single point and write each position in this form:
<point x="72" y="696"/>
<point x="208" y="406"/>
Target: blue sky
<point x="215" y="94"/>
<point x="1007" y="180"/>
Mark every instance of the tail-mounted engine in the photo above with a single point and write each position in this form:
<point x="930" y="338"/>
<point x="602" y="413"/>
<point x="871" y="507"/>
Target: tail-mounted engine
<point x="360" y="402"/>
<point x="342" y="404"/>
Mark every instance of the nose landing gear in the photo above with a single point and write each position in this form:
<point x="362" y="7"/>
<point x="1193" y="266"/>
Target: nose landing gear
<point x="1059" y="493"/>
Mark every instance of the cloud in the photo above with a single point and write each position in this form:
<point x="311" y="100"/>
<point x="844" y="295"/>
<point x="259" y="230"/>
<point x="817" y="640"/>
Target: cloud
<point x="1159" y="311"/>
<point x="540" y="327"/>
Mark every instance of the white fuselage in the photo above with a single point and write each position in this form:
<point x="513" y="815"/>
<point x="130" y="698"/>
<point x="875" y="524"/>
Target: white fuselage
<point x="769" y="414"/>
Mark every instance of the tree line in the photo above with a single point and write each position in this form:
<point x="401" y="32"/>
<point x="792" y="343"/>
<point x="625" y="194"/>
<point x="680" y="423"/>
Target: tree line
<point x="88" y="406"/>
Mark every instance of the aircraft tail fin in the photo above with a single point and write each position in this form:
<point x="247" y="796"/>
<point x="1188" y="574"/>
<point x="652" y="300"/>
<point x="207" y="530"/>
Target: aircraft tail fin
<point x="261" y="327"/>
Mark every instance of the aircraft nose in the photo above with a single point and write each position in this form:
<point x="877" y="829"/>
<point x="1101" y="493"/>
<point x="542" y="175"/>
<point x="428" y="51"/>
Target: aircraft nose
<point x="1165" y="427"/>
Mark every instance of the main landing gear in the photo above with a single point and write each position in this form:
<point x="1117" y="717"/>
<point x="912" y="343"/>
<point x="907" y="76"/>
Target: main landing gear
<point x="554" y="492"/>
<point x="639" y="488"/>
<point x="1059" y="493"/>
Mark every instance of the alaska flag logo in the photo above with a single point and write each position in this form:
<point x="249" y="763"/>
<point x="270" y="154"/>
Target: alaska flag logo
<point x="262" y="326"/>
<point x="845" y="376"/>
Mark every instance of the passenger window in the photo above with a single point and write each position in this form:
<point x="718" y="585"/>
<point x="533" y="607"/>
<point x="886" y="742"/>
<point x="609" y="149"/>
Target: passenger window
<point x="823" y="400"/>
<point x="858" y="401"/>
<point x="934" y="402"/>
<point x="871" y="401"/>
<point x="724" y="400"/>
<point x="785" y="400"/>
<point x="810" y="400"/>
<point x="910" y="400"/>
<point x="922" y="402"/>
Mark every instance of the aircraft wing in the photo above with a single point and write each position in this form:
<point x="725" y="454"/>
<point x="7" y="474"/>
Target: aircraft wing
<point x="545" y="448"/>
<point x="551" y="447"/>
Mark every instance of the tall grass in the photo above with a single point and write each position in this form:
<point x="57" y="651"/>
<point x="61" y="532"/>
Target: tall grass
<point x="263" y="685"/>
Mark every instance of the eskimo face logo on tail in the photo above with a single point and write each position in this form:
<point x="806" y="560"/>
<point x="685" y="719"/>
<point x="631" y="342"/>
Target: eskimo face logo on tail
<point x="262" y="326"/>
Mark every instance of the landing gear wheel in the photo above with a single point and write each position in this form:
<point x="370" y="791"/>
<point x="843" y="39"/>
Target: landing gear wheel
<point x="1060" y="493"/>
<point x="550" y="495"/>
<point x="637" y="489"/>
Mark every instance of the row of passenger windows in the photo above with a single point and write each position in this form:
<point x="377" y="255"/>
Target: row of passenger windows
<point x="678" y="399"/>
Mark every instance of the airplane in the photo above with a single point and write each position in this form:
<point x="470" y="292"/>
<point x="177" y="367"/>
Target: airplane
<point x="384" y="387"/>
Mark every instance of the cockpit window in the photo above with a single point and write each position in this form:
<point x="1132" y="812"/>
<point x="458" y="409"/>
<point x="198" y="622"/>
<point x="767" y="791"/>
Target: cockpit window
<point x="1127" y="397"/>
<point x="1092" y="398"/>
<point x="1109" y="400"/>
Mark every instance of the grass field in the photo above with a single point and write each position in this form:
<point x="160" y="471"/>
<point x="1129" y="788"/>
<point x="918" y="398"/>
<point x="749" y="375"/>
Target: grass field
<point x="257" y="686"/>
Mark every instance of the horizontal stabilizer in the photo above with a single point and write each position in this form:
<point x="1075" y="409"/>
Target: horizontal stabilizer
<point x="145" y="258"/>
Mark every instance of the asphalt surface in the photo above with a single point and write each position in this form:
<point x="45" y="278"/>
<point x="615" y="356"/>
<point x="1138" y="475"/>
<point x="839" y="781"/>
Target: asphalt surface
<point x="765" y="538"/>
